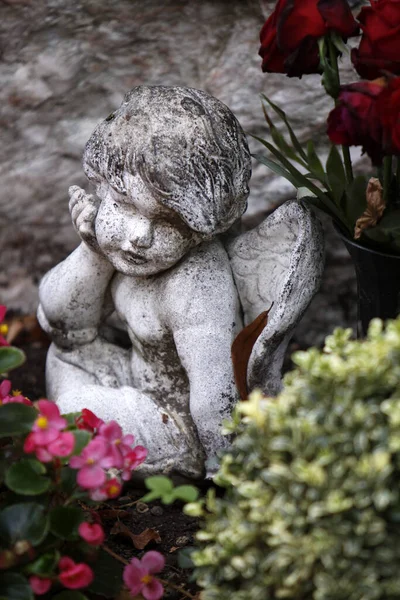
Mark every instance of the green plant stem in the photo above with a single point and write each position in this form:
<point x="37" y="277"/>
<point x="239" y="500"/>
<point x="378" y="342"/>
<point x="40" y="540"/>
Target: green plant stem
<point x="345" y="150"/>
<point x="387" y="178"/>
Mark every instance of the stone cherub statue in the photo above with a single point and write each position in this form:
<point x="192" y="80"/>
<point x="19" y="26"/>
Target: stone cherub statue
<point x="171" y="168"/>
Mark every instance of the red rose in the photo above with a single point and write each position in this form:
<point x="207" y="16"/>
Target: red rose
<point x="289" y="38"/>
<point x="355" y="121"/>
<point x="380" y="43"/>
<point x="388" y="107"/>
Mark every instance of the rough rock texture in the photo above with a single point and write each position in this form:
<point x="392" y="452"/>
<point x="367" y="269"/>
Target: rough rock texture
<point x="66" y="65"/>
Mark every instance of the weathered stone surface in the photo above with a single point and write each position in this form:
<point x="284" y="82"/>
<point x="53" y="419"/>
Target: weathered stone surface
<point x="67" y="64"/>
<point x="171" y="169"/>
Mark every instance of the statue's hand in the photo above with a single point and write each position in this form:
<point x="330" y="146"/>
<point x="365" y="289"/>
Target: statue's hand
<point x="83" y="208"/>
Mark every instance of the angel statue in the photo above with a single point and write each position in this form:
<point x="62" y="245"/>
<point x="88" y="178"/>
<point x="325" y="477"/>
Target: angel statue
<point x="159" y="257"/>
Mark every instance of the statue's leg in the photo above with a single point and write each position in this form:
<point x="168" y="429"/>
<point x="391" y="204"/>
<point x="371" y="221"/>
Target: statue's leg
<point x="170" y="447"/>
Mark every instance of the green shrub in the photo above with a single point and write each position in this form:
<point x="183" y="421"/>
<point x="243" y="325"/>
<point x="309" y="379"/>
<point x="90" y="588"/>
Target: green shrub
<point x="312" y="502"/>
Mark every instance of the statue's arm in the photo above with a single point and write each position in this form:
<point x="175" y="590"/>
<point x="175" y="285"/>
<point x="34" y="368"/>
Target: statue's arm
<point x="72" y="296"/>
<point x="73" y="293"/>
<point x="204" y="315"/>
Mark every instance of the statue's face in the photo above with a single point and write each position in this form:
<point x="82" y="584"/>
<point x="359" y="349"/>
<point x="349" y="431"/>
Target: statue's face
<point x="137" y="234"/>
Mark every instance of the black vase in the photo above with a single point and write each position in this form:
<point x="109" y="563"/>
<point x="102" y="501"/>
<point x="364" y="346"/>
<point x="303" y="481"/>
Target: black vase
<point x="378" y="283"/>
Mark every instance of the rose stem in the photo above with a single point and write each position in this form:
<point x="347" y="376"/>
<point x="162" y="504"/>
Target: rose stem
<point x="333" y="59"/>
<point x="163" y="581"/>
<point x="387" y="178"/>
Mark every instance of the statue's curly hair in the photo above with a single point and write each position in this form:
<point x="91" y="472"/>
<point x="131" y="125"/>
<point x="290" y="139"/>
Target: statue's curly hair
<point x="186" y="145"/>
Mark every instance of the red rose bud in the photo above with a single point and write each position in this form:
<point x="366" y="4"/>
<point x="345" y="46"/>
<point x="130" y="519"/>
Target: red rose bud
<point x="355" y="121"/>
<point x="379" y="49"/>
<point x="388" y="107"/>
<point x="289" y="38"/>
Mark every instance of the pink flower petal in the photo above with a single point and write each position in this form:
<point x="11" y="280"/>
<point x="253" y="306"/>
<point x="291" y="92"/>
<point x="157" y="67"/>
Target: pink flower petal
<point x="65" y="562"/>
<point x="45" y="436"/>
<point x="95" y="450"/>
<point x="76" y="462"/>
<point x="91" y="477"/>
<point x="3" y="310"/>
<point x="92" y="533"/>
<point x="3" y="341"/>
<point x="39" y="585"/>
<point x="63" y="445"/>
<point x="78" y="576"/>
<point x="43" y="455"/>
<point x="29" y="444"/>
<point x="133" y="574"/>
<point x="48" y="408"/>
<point x="128" y="440"/>
<point x="5" y="387"/>
<point x="153" y="561"/>
<point x="153" y="590"/>
<point x="111" y="431"/>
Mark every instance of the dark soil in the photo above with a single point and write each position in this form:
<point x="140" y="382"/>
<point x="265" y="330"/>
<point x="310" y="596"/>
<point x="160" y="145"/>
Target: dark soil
<point x="173" y="529"/>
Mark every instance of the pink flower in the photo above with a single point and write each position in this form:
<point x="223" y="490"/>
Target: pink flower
<point x="92" y="462"/>
<point x="39" y="585"/>
<point x="88" y="420"/>
<point x="132" y="460"/>
<point x="74" y="575"/>
<point x="138" y="575"/>
<point x="48" y="423"/>
<point x="16" y="397"/>
<point x="119" y="444"/>
<point x="111" y="489"/>
<point x="3" y="326"/>
<point x="93" y="534"/>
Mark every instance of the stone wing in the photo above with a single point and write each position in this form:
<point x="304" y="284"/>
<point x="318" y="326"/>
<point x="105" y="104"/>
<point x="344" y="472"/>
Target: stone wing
<point x="279" y="263"/>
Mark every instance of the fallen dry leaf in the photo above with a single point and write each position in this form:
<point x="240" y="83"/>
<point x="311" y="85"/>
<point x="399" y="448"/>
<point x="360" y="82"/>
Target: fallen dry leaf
<point x="241" y="350"/>
<point x="374" y="210"/>
<point x="140" y="540"/>
<point x="27" y="326"/>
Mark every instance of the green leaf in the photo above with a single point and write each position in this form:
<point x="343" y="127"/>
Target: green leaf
<point x="65" y="520"/>
<point x="300" y="180"/>
<point x="187" y="493"/>
<point x="280" y="140"/>
<point x="185" y="557"/>
<point x="69" y="595"/>
<point x="276" y="168"/>
<point x="390" y="221"/>
<point x="68" y="480"/>
<point x="314" y="163"/>
<point x="45" y="565"/>
<point x="282" y="115"/>
<point x="336" y="174"/>
<point x="107" y="576"/>
<point x="356" y="201"/>
<point x="82" y="438"/>
<point x="16" y="419"/>
<point x="70" y="418"/>
<point x="10" y="358"/>
<point x="159" y="483"/>
<point x="26" y="477"/>
<point x="14" y="586"/>
<point x="330" y="80"/>
<point x="23" y="521"/>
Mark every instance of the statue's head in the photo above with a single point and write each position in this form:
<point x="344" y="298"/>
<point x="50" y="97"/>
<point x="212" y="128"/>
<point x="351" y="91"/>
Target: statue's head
<point x="187" y="149"/>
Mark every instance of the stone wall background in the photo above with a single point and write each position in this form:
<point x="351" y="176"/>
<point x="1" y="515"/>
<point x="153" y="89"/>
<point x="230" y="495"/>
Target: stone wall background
<point x="66" y="64"/>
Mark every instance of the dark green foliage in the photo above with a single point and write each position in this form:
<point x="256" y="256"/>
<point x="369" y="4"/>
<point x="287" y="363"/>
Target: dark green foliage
<point x="312" y="503"/>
